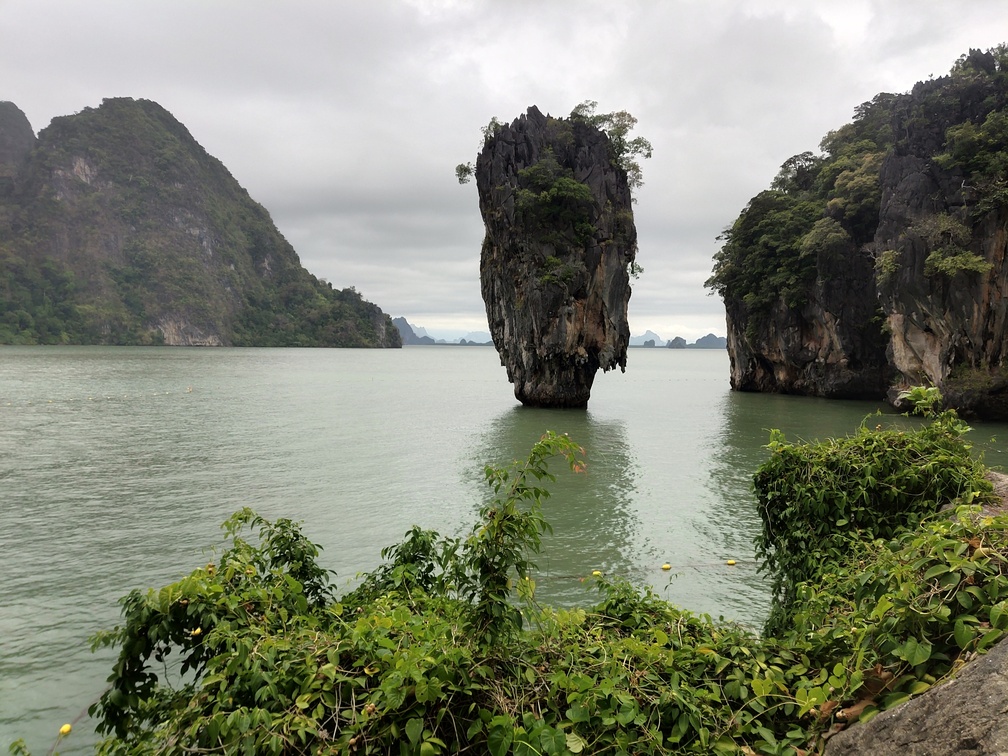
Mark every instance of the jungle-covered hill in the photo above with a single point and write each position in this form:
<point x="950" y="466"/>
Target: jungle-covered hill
<point x="117" y="227"/>
<point x="881" y="262"/>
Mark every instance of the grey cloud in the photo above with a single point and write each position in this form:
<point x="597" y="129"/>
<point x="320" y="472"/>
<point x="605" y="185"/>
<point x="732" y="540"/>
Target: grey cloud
<point x="345" y="120"/>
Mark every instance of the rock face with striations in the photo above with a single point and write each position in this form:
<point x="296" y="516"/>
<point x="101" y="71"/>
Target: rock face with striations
<point x="882" y="263"/>
<point x="554" y="269"/>
<point x="944" y="228"/>
<point x="830" y="345"/>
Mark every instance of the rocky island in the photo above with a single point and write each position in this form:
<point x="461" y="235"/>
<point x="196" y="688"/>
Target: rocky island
<point x="882" y="262"/>
<point x="117" y="227"/>
<point x="559" y="250"/>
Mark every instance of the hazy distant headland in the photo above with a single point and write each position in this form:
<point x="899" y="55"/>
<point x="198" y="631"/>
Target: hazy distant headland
<point x="414" y="335"/>
<point x="652" y="339"/>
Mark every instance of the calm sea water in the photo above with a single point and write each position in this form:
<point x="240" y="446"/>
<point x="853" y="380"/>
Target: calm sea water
<point x="117" y="466"/>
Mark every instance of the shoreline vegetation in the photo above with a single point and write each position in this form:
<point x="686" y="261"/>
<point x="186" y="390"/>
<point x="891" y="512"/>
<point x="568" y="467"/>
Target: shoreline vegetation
<point x="889" y="572"/>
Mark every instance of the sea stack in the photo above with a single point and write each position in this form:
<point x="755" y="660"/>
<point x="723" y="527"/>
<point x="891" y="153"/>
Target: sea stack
<point x="555" y="265"/>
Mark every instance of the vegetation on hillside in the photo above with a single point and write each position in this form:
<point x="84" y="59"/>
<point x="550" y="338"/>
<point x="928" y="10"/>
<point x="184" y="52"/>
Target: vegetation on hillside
<point x="817" y="206"/>
<point x="444" y="649"/>
<point x="825" y="205"/>
<point x="122" y="229"/>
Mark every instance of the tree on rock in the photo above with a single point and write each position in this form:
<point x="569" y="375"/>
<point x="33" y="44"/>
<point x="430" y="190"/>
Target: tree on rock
<point x="560" y="247"/>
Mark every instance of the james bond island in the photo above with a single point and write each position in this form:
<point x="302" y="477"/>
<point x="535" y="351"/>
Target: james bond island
<point x="560" y="248"/>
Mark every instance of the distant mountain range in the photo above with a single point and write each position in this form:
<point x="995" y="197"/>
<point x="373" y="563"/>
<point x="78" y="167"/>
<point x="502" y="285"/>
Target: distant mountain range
<point x="413" y="335"/>
<point x="417" y="336"/>
<point x="652" y="339"/>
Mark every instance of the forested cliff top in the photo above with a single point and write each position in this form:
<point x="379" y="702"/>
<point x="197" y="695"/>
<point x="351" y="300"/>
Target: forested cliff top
<point x="117" y="227"/>
<point x="881" y="262"/>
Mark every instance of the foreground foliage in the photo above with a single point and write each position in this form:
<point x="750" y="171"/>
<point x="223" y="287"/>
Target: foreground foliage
<point x="820" y="501"/>
<point x="443" y="649"/>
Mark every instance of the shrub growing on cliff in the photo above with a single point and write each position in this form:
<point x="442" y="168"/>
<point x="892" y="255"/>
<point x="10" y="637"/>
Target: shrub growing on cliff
<point x="625" y="151"/>
<point x="553" y="206"/>
<point x="817" y="500"/>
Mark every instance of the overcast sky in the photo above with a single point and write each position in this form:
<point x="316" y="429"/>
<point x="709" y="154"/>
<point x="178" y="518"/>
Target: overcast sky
<point x="345" y="119"/>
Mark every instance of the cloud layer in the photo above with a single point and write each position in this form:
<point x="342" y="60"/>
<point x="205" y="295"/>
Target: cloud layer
<point x="346" y="119"/>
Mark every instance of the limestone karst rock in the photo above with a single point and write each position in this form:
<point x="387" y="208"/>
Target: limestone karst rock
<point x="554" y="269"/>
<point x="944" y="225"/>
<point x="117" y="227"/>
<point x="882" y="263"/>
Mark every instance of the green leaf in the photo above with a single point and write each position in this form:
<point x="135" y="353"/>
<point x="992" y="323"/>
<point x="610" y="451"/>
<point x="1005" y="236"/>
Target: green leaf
<point x="935" y="571"/>
<point x="577" y="713"/>
<point x="963" y="634"/>
<point x="914" y="652"/>
<point x="575" y="743"/>
<point x="998" y="616"/>
<point x="414" y="729"/>
<point x="883" y="605"/>
<point x="989" y="638"/>
<point x="725" y="744"/>
<point x="895" y="699"/>
<point x="499" y="740"/>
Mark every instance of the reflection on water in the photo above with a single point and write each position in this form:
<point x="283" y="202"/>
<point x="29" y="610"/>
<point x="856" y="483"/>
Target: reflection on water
<point x="746" y="422"/>
<point x="591" y="515"/>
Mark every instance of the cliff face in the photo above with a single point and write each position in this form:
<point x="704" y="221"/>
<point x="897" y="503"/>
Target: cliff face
<point x="881" y="263"/>
<point x="123" y="230"/>
<point x="559" y="241"/>
<point x="830" y="345"/>
<point x="944" y="227"/>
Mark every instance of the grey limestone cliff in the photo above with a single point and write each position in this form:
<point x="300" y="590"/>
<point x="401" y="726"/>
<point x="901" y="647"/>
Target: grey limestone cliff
<point x="554" y="268"/>
<point x="944" y="230"/>
<point x="882" y="262"/>
<point x="830" y="345"/>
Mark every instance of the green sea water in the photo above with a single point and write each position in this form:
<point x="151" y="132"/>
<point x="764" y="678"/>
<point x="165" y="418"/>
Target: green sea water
<point x="117" y="466"/>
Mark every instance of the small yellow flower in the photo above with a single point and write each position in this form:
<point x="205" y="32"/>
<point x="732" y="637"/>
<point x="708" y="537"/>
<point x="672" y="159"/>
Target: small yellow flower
<point x="65" y="729"/>
<point x="197" y="631"/>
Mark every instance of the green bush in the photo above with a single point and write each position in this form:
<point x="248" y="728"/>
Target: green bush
<point x="817" y="500"/>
